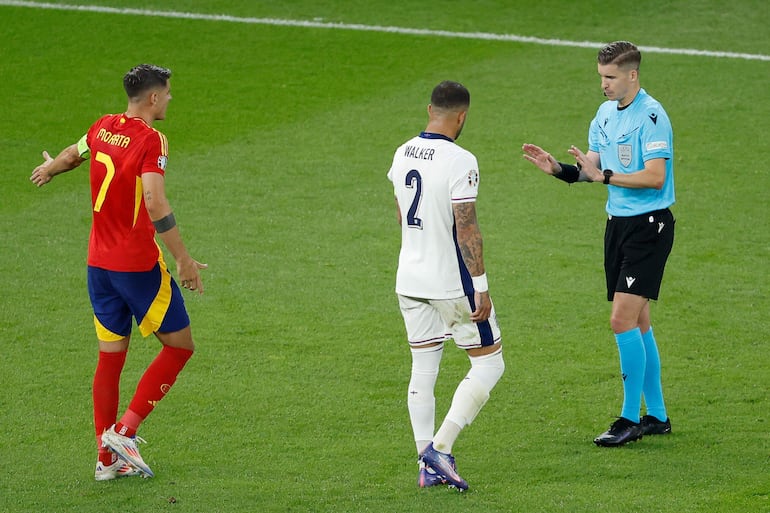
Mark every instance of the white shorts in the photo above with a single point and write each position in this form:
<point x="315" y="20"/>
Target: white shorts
<point x="429" y="321"/>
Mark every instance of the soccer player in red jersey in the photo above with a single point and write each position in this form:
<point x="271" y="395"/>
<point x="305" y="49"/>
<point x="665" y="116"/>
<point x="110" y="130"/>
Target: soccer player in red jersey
<point x="127" y="276"/>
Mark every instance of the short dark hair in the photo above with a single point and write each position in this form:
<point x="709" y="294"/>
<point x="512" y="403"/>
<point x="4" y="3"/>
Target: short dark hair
<point x="621" y="53"/>
<point x="144" y="77"/>
<point x="450" y="95"/>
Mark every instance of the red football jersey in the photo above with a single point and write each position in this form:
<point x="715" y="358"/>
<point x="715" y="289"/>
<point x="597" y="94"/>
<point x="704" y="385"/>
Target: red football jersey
<point x="122" y="234"/>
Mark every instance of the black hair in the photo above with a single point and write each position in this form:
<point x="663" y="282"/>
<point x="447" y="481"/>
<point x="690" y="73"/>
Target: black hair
<point x="450" y="95"/>
<point x="144" y="77"/>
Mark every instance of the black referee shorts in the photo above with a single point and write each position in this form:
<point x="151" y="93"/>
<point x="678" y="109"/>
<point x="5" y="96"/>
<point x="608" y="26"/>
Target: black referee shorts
<point x="635" y="252"/>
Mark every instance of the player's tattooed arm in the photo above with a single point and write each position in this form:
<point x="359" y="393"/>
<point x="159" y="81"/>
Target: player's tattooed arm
<point x="469" y="237"/>
<point x="471" y="248"/>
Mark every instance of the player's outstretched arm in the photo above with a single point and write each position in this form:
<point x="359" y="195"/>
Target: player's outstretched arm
<point x="471" y="246"/>
<point x="159" y="209"/>
<point x="68" y="159"/>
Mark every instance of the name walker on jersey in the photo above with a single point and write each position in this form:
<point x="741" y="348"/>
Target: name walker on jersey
<point x="417" y="152"/>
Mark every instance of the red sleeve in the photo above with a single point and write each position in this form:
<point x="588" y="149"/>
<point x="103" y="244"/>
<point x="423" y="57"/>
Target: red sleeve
<point x="156" y="154"/>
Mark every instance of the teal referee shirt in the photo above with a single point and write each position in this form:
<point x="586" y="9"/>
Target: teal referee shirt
<point x="625" y="139"/>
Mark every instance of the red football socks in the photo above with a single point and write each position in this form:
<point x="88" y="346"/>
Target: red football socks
<point x="153" y="386"/>
<point x="106" y="390"/>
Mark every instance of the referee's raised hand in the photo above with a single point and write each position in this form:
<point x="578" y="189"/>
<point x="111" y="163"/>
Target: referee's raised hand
<point x="541" y="158"/>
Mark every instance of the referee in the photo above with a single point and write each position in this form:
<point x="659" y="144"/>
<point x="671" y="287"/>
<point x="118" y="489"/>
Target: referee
<point x="630" y="151"/>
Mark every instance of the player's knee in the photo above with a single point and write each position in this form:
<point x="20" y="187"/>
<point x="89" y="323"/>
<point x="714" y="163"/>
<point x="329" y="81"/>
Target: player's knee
<point x="620" y="324"/>
<point x="184" y="343"/>
<point x="426" y="360"/>
<point x="179" y="339"/>
<point x="425" y="368"/>
<point x="488" y="369"/>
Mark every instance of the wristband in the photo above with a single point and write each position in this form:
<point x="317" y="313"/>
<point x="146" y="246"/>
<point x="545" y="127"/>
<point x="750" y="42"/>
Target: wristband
<point x="480" y="283"/>
<point x="164" y="224"/>
<point x="568" y="173"/>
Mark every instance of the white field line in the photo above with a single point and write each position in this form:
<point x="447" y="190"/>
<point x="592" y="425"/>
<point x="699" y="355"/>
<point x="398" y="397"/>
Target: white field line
<point x="368" y="28"/>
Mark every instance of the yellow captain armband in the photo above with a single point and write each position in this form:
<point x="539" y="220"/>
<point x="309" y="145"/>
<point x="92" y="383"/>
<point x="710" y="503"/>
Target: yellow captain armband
<point x="83" y="149"/>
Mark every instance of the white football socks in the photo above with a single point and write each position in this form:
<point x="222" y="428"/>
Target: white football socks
<point x="471" y="395"/>
<point x="420" y="398"/>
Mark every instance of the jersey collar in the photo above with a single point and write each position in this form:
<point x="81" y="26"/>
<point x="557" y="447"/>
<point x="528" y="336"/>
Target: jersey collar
<point x="433" y="135"/>
<point x="639" y="93"/>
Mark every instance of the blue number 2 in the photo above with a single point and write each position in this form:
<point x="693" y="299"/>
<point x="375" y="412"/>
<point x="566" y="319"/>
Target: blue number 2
<point x="414" y="181"/>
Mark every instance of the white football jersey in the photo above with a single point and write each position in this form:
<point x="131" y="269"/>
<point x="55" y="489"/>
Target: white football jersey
<point x="430" y="173"/>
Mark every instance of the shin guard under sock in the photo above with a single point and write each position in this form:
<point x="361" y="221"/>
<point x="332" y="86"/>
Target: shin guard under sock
<point x="653" y="388"/>
<point x="106" y="390"/>
<point x="153" y="386"/>
<point x="632" y="366"/>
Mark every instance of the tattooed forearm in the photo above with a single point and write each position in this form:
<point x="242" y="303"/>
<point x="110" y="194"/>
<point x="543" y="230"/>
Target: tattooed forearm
<point x="469" y="237"/>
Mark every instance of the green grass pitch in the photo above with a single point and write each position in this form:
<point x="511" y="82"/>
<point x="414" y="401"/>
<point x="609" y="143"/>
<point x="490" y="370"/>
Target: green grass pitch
<point x="280" y="138"/>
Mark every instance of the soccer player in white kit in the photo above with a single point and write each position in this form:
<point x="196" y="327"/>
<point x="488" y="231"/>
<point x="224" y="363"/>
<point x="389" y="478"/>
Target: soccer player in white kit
<point x="441" y="282"/>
